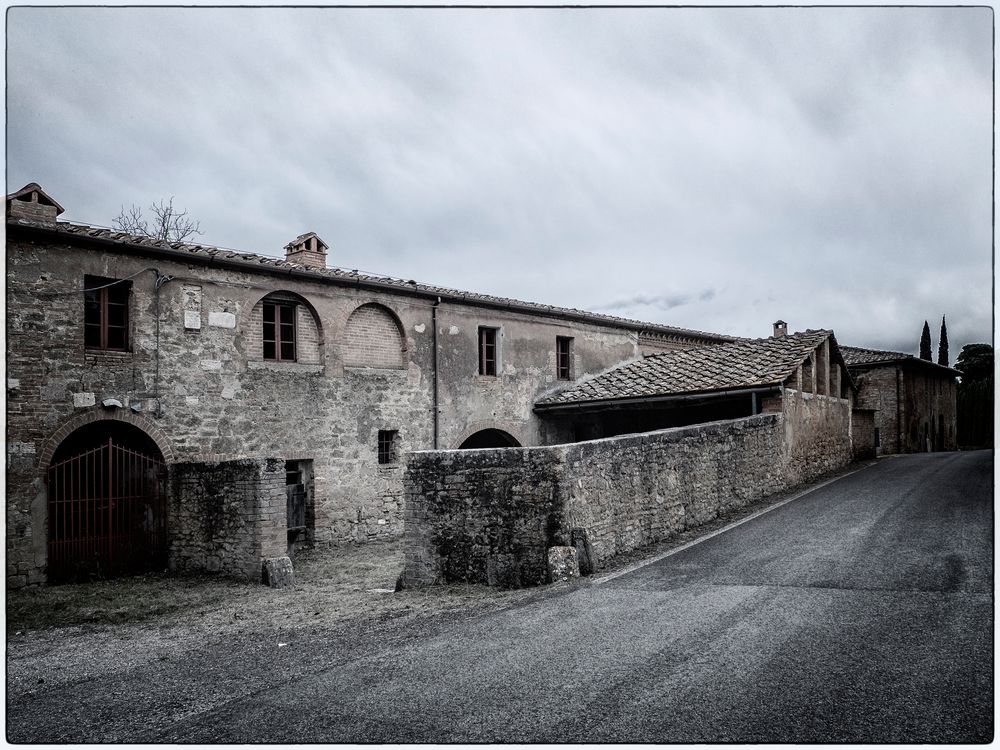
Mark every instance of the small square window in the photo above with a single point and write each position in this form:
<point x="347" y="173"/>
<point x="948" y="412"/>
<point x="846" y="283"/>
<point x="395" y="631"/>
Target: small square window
<point x="487" y="351"/>
<point x="564" y="357"/>
<point x="387" y="446"/>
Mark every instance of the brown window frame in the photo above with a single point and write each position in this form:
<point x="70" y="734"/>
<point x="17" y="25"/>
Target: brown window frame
<point x="104" y="300"/>
<point x="284" y="333"/>
<point x="564" y="357"/>
<point x="387" y="446"/>
<point x="489" y="353"/>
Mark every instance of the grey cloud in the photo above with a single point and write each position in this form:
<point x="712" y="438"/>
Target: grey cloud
<point x="823" y="165"/>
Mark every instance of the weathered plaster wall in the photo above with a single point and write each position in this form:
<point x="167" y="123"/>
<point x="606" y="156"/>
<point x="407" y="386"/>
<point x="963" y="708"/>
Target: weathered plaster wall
<point x="624" y="492"/>
<point x="227" y="517"/>
<point x="817" y="434"/>
<point x="526" y="369"/>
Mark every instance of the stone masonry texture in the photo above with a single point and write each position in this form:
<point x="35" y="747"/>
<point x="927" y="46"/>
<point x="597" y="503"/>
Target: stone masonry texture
<point x="227" y="517"/>
<point x="488" y="516"/>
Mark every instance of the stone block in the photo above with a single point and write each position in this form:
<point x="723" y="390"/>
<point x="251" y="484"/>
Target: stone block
<point x="563" y="564"/>
<point x="584" y="551"/>
<point x="222" y="320"/>
<point x="277" y="572"/>
<point x="83" y="400"/>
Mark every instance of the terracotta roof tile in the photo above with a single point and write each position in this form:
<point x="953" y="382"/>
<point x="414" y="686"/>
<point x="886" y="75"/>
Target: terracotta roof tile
<point x="741" y="364"/>
<point x="856" y="356"/>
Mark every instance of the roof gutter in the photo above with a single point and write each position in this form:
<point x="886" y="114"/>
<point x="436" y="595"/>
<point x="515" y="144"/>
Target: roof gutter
<point x="612" y="403"/>
<point x="373" y="285"/>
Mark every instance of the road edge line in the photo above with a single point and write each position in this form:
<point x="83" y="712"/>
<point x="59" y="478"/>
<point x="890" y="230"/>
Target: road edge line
<point x="597" y="581"/>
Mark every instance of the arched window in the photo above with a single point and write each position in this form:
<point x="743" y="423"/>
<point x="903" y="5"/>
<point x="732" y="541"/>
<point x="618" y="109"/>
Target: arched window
<point x="284" y="328"/>
<point x="373" y="337"/>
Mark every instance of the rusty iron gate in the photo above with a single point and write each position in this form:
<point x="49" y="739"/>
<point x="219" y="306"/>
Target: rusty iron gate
<point x="107" y="514"/>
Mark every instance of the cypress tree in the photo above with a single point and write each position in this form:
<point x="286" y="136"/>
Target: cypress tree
<point x="943" y="344"/>
<point x="925" y="343"/>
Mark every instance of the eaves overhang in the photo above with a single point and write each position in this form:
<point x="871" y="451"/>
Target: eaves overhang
<point x="667" y="398"/>
<point x="907" y="361"/>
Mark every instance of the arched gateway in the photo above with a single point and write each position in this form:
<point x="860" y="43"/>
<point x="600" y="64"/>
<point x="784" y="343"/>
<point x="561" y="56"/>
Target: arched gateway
<point x="107" y="510"/>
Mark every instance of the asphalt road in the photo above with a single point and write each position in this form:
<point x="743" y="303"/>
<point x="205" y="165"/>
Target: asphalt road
<point x="861" y="612"/>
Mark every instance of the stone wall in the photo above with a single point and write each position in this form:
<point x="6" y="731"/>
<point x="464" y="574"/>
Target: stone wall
<point x="227" y="517"/>
<point x="914" y="404"/>
<point x="467" y="508"/>
<point x="483" y="515"/>
<point x="630" y="491"/>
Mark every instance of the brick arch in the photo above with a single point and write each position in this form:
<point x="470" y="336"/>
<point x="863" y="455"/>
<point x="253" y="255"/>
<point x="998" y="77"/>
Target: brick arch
<point x="374" y="337"/>
<point x="472" y="429"/>
<point x="310" y="341"/>
<point x="145" y="424"/>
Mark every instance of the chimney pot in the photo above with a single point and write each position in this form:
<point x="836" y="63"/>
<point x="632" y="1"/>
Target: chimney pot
<point x="780" y="329"/>
<point x="34" y="204"/>
<point x="307" y="250"/>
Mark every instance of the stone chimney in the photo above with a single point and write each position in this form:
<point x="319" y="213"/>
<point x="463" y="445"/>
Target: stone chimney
<point x="780" y="329"/>
<point x="32" y="203"/>
<point x="308" y="250"/>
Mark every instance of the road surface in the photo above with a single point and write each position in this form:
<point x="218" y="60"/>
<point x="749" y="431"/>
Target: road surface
<point x="860" y="612"/>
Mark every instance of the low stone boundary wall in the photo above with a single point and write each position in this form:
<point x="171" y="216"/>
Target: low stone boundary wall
<point x="228" y="517"/>
<point x="489" y="516"/>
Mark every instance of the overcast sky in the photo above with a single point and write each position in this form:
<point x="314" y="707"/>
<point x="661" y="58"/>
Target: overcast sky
<point x="715" y="169"/>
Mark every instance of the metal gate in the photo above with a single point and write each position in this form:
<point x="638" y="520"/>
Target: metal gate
<point x="107" y="514"/>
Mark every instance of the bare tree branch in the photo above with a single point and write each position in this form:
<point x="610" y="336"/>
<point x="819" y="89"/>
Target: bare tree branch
<point x="169" y="223"/>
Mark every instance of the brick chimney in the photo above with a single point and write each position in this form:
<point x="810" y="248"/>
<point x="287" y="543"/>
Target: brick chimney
<point x="308" y="250"/>
<point x="780" y="329"/>
<point x="32" y="203"/>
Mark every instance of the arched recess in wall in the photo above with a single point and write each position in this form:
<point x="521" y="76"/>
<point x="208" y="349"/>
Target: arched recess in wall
<point x="374" y="337"/>
<point x="284" y="327"/>
<point x="144" y="425"/>
<point x="106" y="503"/>
<point x="489" y="438"/>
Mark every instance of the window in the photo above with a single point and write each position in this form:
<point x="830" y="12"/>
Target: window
<point x="105" y="314"/>
<point x="487" y="351"/>
<point x="387" y="446"/>
<point x="279" y="331"/>
<point x="564" y="357"/>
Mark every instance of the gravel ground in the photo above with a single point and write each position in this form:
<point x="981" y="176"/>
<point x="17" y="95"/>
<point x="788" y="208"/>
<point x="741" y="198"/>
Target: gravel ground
<point x="69" y="633"/>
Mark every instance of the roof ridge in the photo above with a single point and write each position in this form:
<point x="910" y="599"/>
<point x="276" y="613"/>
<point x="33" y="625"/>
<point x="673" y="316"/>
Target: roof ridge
<point x="72" y="228"/>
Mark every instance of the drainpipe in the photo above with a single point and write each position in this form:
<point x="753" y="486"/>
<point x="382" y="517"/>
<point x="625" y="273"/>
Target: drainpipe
<point x="899" y="422"/>
<point x="161" y="279"/>
<point x="434" y="339"/>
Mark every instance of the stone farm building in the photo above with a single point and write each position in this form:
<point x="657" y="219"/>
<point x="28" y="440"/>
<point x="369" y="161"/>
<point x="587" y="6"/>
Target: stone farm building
<point x="912" y="400"/>
<point x="182" y="406"/>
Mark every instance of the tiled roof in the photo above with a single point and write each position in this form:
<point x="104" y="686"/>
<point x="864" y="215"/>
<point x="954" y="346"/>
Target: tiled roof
<point x="856" y="356"/>
<point x="740" y="364"/>
<point x="252" y="261"/>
